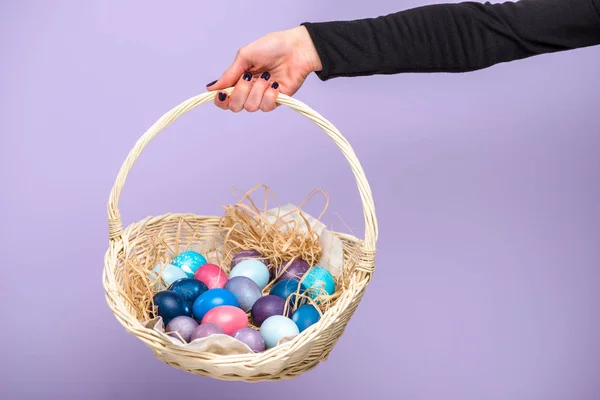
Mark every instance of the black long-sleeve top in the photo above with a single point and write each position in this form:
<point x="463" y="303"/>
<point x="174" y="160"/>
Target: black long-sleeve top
<point x="456" y="37"/>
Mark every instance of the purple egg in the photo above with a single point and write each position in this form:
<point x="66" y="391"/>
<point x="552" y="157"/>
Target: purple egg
<point x="251" y="338"/>
<point x="266" y="307"/>
<point x="247" y="254"/>
<point x="245" y="290"/>
<point x="183" y="325"/>
<point x="206" y="329"/>
<point x="295" y="270"/>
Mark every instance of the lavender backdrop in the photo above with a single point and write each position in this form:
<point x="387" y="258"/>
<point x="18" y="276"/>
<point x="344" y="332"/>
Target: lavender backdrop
<point x="486" y="187"/>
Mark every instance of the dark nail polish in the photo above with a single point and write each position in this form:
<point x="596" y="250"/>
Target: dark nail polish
<point x="247" y="76"/>
<point x="266" y="76"/>
<point x="212" y="83"/>
<point x="222" y="96"/>
<point x="275" y="85"/>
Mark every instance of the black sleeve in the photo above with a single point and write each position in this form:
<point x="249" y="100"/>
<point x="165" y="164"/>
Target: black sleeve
<point x="456" y="37"/>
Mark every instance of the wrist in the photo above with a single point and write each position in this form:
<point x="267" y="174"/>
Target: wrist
<point x="307" y="48"/>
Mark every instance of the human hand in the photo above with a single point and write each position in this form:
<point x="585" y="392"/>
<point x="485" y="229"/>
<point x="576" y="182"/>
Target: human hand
<point x="277" y="62"/>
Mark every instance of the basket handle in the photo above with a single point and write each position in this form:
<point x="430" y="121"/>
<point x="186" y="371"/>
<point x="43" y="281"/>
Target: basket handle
<point x="115" y="225"/>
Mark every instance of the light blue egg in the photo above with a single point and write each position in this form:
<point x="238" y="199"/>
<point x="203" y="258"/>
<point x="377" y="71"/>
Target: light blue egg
<point x="253" y="269"/>
<point x="318" y="282"/>
<point x="168" y="272"/>
<point x="189" y="262"/>
<point x="277" y="327"/>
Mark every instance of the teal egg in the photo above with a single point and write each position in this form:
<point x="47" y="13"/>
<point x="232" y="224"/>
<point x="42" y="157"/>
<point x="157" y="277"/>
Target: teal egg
<point x="318" y="282"/>
<point x="169" y="274"/>
<point x="306" y="316"/>
<point x="189" y="262"/>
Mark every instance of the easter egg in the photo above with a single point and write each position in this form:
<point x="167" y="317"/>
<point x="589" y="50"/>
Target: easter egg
<point x="277" y="327"/>
<point x="229" y="318"/>
<point x="253" y="269"/>
<point x="287" y="290"/>
<point x="318" y="281"/>
<point x="252" y="338"/>
<point x="210" y="299"/>
<point x="169" y="274"/>
<point x="266" y="307"/>
<point x="182" y="325"/>
<point x="189" y="289"/>
<point x="189" y="262"/>
<point x="169" y="305"/>
<point x="205" y="330"/>
<point x="306" y="316"/>
<point x="291" y="270"/>
<point x="211" y="275"/>
<point x="248" y="254"/>
<point x="245" y="290"/>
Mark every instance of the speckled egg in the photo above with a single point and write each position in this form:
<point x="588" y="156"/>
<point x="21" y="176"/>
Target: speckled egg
<point x="252" y="338"/>
<point x="189" y="262"/>
<point x="182" y="325"/>
<point x="245" y="290"/>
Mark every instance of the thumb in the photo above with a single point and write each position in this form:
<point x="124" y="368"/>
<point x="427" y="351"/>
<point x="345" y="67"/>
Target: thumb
<point x="232" y="74"/>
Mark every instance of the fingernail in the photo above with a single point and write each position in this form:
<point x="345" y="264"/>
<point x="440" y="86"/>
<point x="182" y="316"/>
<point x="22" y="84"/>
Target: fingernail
<point x="212" y="83"/>
<point x="247" y="76"/>
<point x="275" y="85"/>
<point x="222" y="96"/>
<point x="266" y="76"/>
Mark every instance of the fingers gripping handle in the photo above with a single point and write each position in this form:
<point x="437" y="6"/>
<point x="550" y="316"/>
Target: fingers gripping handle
<point x="115" y="225"/>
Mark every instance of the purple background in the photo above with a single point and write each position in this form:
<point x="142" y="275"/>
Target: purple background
<point x="486" y="187"/>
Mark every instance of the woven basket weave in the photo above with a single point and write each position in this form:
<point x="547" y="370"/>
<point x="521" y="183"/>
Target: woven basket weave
<point x="284" y="361"/>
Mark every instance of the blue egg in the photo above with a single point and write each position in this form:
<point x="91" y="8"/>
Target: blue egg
<point x="253" y="269"/>
<point x="169" y="274"/>
<point x="169" y="305"/>
<point x="189" y="262"/>
<point x="189" y="289"/>
<point x="306" y="316"/>
<point x="245" y="290"/>
<point x="287" y="289"/>
<point x="318" y="282"/>
<point x="210" y="299"/>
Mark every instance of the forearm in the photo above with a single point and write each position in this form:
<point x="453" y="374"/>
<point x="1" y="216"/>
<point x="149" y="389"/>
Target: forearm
<point x="454" y="37"/>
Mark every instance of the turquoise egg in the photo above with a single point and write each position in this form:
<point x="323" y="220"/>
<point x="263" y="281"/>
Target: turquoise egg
<point x="306" y="316"/>
<point x="168" y="272"/>
<point x="253" y="269"/>
<point x="189" y="262"/>
<point x="318" y="282"/>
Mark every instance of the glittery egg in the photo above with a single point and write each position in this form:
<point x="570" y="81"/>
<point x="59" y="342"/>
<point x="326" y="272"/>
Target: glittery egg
<point x="166" y="273"/>
<point x="205" y="330"/>
<point x="189" y="262"/>
<point x="211" y="275"/>
<point x="252" y="338"/>
<point x="245" y="290"/>
<point x="253" y="269"/>
<point x="276" y="328"/>
<point x="181" y="326"/>
<point x="169" y="305"/>
<point x="229" y="318"/>
<point x="306" y="316"/>
<point x="189" y="289"/>
<point x="210" y="299"/>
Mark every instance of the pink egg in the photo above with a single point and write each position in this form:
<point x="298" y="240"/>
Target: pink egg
<point x="229" y="318"/>
<point x="211" y="275"/>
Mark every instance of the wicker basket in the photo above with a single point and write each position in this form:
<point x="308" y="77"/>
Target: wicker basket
<point x="285" y="361"/>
